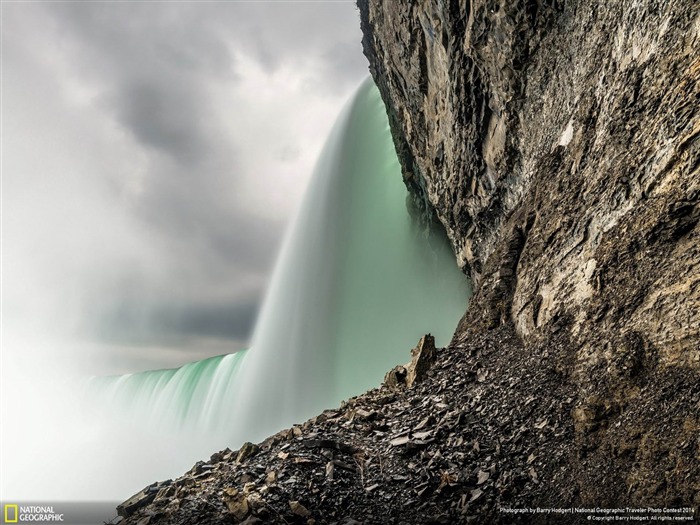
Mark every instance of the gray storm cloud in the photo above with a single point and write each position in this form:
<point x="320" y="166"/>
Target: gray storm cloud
<point x="153" y="155"/>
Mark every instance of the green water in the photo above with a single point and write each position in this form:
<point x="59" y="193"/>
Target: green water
<point x="355" y="286"/>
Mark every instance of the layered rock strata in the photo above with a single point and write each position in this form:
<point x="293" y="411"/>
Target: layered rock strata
<point x="558" y="143"/>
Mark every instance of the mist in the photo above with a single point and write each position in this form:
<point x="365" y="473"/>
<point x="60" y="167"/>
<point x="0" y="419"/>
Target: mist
<point x="153" y="154"/>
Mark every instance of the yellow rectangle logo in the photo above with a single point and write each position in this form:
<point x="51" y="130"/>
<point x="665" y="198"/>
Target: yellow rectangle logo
<point x="15" y="514"/>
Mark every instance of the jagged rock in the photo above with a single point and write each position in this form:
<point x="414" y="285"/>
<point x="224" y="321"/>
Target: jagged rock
<point x="251" y="520"/>
<point x="330" y="470"/>
<point x="141" y="498"/>
<point x="217" y="457"/>
<point x="299" y="509"/>
<point x="331" y="444"/>
<point x="236" y="502"/>
<point x="422" y="358"/>
<point x="246" y="451"/>
<point x="395" y="377"/>
<point x="361" y="414"/>
<point x="400" y="441"/>
<point x="271" y="477"/>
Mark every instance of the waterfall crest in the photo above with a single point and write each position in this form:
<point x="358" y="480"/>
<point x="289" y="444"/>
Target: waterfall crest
<point x="355" y="286"/>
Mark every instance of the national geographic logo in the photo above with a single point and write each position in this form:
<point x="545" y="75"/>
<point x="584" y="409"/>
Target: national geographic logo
<point x="64" y="512"/>
<point x="11" y="513"/>
<point x="14" y="513"/>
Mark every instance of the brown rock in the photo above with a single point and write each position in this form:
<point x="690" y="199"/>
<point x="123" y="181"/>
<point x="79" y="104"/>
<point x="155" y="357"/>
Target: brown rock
<point x="271" y="477"/>
<point x="423" y="357"/>
<point x="141" y="499"/>
<point x="299" y="509"/>
<point x="236" y="503"/>
<point x="247" y="450"/>
<point x="251" y="520"/>
<point x="395" y="377"/>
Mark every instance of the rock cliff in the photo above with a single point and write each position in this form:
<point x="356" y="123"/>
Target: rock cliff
<point x="558" y="143"/>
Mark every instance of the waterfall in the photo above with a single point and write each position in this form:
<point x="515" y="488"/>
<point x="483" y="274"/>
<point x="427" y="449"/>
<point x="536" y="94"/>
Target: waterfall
<point x="356" y="284"/>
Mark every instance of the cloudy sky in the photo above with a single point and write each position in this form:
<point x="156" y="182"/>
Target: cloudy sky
<point x="152" y="155"/>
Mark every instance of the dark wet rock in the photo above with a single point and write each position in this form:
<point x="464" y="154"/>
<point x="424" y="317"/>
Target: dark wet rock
<point x="142" y="498"/>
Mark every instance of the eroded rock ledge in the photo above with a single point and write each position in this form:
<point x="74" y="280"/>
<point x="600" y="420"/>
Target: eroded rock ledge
<point x="558" y="144"/>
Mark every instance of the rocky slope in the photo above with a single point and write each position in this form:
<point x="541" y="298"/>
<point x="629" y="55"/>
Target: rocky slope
<point x="557" y="142"/>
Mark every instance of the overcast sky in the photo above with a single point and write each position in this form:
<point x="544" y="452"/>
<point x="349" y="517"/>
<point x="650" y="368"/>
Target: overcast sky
<point x="153" y="154"/>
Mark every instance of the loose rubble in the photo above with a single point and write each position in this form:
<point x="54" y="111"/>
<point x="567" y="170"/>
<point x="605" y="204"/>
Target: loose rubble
<point x="489" y="425"/>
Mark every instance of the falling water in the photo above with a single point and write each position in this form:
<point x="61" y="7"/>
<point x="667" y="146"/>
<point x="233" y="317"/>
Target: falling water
<point x="355" y="286"/>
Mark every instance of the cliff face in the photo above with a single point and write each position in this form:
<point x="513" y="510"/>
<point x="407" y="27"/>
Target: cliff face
<point x="558" y="143"/>
<point x="488" y="102"/>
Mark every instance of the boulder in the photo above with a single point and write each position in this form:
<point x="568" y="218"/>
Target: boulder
<point x="423" y="357"/>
